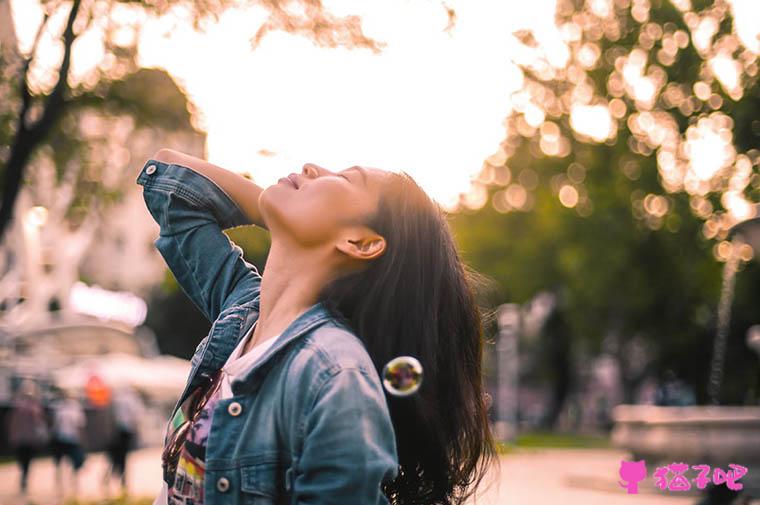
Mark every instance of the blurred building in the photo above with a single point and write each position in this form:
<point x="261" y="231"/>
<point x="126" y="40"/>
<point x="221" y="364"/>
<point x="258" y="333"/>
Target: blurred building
<point x="124" y="257"/>
<point x="82" y="216"/>
<point x="44" y="255"/>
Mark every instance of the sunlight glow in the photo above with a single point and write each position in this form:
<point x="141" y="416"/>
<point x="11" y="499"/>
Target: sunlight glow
<point x="593" y="121"/>
<point x="708" y="146"/>
<point x="746" y="13"/>
<point x="568" y="196"/>
<point x="727" y="70"/>
<point x="432" y="103"/>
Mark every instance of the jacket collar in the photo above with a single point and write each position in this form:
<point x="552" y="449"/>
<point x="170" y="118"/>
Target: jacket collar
<point x="314" y="316"/>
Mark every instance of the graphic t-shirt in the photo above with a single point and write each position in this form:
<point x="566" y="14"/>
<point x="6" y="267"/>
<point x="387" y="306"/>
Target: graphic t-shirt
<point x="188" y="482"/>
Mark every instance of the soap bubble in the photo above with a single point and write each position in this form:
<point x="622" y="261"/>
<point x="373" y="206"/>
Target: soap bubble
<point x="402" y="376"/>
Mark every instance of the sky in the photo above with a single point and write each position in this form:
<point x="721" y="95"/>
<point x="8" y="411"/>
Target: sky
<point x="432" y="103"/>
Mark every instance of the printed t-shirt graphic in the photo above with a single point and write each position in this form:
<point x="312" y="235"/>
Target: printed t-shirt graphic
<point x="191" y="468"/>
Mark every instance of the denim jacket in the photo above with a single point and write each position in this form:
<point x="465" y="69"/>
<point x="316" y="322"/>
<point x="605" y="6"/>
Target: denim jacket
<point x="310" y="422"/>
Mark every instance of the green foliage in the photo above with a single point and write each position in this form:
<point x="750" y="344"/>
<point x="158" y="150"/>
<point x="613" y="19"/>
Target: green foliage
<point x="554" y="440"/>
<point x="171" y="314"/>
<point x="43" y="124"/>
<point x="179" y="325"/>
<point x="255" y="243"/>
<point x="169" y="285"/>
<point x="625" y="268"/>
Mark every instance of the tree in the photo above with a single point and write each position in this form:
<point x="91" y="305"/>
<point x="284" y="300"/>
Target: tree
<point x="63" y="160"/>
<point x="601" y="185"/>
<point x="33" y="108"/>
<point x="76" y="183"/>
<point x="178" y="323"/>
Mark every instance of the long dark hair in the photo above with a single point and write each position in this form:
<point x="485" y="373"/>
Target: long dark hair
<point x="418" y="299"/>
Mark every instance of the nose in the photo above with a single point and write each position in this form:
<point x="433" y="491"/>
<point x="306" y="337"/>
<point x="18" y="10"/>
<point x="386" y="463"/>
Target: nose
<point x="312" y="170"/>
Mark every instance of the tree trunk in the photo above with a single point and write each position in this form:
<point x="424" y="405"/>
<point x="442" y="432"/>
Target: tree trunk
<point x="28" y="137"/>
<point x="557" y="335"/>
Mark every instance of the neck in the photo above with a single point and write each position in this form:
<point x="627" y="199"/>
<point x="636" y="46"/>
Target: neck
<point x="290" y="285"/>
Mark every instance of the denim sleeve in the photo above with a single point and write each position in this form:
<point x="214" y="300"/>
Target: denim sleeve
<point x="191" y="211"/>
<point x="349" y="445"/>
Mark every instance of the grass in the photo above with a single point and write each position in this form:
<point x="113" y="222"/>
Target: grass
<point x="541" y="439"/>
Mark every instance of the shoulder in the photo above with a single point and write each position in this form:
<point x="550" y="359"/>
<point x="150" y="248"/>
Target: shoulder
<point x="335" y="347"/>
<point x="332" y="354"/>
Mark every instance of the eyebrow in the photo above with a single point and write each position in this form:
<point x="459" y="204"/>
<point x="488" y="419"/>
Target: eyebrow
<point x="361" y="171"/>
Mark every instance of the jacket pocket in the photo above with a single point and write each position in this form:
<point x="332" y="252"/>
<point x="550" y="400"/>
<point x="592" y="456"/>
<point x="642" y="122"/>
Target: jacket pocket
<point x="262" y="484"/>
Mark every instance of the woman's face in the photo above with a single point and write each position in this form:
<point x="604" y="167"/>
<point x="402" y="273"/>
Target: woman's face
<point x="323" y="206"/>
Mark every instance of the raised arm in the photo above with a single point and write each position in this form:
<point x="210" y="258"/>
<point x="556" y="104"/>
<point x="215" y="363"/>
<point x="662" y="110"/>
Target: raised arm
<point x="191" y="211"/>
<point x="244" y="192"/>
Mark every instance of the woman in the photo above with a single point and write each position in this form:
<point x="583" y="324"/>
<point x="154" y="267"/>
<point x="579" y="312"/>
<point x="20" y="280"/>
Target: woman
<point x="69" y="420"/>
<point x="362" y="268"/>
<point x="127" y="408"/>
<point x="27" y="427"/>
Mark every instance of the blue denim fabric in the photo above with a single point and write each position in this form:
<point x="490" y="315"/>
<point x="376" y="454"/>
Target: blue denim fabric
<point x="314" y="425"/>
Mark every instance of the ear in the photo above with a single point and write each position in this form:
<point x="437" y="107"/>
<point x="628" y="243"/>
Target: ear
<point x="364" y="245"/>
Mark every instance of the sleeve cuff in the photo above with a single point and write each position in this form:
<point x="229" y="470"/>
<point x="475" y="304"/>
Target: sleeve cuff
<point x="193" y="187"/>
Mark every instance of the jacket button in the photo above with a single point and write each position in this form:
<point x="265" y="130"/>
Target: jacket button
<point x="150" y="169"/>
<point x="223" y="484"/>
<point x="234" y="409"/>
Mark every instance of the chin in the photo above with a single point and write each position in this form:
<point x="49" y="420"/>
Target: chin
<point x="273" y="205"/>
<point x="265" y="195"/>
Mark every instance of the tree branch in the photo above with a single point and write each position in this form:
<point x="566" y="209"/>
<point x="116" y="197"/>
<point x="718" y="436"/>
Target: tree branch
<point x="27" y="139"/>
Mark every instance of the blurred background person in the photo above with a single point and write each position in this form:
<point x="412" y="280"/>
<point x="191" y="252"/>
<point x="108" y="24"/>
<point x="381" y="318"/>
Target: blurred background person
<point x="68" y="422"/>
<point x="27" y="427"/>
<point x="127" y="409"/>
<point x="672" y="391"/>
